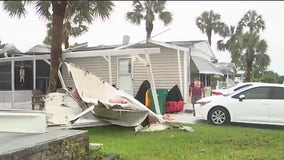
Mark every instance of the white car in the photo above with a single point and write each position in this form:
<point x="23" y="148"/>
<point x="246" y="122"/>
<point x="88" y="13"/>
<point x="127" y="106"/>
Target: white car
<point x="261" y="103"/>
<point x="233" y="88"/>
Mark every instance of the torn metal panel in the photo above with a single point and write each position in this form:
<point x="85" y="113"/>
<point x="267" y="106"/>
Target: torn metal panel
<point x="107" y="108"/>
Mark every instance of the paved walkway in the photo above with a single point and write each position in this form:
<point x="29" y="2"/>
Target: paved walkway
<point x="185" y="116"/>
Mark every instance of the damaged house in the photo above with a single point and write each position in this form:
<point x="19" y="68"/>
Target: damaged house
<point x="177" y="64"/>
<point x="124" y="66"/>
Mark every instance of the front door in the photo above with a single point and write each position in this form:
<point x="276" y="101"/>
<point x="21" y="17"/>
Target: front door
<point x="125" y="80"/>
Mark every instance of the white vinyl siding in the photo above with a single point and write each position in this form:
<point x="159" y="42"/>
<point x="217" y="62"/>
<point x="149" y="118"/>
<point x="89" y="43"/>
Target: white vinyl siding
<point x="164" y="67"/>
<point x="95" y="65"/>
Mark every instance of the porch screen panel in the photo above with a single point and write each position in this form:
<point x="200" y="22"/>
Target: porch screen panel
<point x="24" y="78"/>
<point x="5" y="76"/>
<point x="42" y="75"/>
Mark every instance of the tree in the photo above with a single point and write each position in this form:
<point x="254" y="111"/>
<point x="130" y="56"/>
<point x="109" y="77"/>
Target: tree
<point x="280" y="79"/>
<point x="252" y="21"/>
<point x="2" y="45"/>
<point x="269" y="77"/>
<point x="254" y="48"/>
<point x="210" y="22"/>
<point x="146" y="11"/>
<point x="246" y="47"/>
<point x="17" y="8"/>
<point x="233" y="44"/>
<point x="75" y="24"/>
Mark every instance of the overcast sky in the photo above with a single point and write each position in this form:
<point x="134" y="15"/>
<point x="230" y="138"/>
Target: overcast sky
<point x="27" y="32"/>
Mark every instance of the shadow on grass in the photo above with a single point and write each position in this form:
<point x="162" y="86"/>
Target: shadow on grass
<point x="246" y="125"/>
<point x="257" y="126"/>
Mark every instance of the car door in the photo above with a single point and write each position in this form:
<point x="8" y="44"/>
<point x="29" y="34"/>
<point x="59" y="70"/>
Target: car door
<point x="276" y="110"/>
<point x="254" y="107"/>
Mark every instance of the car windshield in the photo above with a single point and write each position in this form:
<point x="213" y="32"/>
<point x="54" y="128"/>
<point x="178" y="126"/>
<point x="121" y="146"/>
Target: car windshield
<point x="230" y="86"/>
<point x="238" y="88"/>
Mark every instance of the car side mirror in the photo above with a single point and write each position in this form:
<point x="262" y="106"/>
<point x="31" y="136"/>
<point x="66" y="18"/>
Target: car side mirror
<point x="241" y="97"/>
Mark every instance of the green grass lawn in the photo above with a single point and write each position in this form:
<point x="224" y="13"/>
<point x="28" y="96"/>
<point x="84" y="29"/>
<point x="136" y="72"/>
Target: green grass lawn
<point x="235" y="142"/>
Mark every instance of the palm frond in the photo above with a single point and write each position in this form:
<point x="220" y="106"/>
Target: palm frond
<point x="102" y="9"/>
<point x="134" y="17"/>
<point x="42" y="8"/>
<point x="15" y="8"/>
<point x="166" y="17"/>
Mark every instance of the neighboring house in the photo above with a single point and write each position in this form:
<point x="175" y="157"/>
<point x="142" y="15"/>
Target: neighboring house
<point x="17" y="74"/>
<point x="229" y="70"/>
<point x="173" y="66"/>
<point x="240" y="76"/>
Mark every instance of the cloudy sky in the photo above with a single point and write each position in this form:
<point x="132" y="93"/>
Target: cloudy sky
<point x="27" y="32"/>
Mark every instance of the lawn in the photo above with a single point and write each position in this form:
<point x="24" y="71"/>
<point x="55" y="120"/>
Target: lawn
<point x="234" y="142"/>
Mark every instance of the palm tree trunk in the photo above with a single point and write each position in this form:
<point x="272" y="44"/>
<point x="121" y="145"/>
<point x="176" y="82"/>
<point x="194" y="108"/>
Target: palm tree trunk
<point x="149" y="29"/>
<point x="66" y="41"/>
<point x="248" y="71"/>
<point x="58" y="8"/>
<point x="209" y="35"/>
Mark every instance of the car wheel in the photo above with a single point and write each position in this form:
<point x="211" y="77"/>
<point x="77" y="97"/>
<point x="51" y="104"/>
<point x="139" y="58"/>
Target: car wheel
<point x="218" y="116"/>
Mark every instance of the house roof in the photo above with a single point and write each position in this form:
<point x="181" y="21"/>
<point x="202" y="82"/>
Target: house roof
<point x="9" y="50"/>
<point x="39" y="49"/>
<point x="179" y="45"/>
<point x="100" y="47"/>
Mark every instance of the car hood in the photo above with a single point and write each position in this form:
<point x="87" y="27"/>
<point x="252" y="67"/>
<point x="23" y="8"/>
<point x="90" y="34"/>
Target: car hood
<point x="210" y="98"/>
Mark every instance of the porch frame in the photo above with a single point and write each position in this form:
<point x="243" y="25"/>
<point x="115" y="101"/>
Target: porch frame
<point x="94" y="53"/>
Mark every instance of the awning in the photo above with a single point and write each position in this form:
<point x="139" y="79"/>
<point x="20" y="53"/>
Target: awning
<point x="205" y="67"/>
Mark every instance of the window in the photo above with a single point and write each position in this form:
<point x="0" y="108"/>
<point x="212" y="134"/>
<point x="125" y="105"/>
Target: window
<point x="278" y="93"/>
<point x="256" y="93"/>
<point x="124" y="66"/>
<point x="238" y="88"/>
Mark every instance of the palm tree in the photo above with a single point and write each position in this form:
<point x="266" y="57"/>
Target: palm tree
<point x="75" y="24"/>
<point x="2" y="45"/>
<point x="246" y="47"/>
<point x="146" y="11"/>
<point x="69" y="30"/>
<point x="210" y="22"/>
<point x="253" y="21"/>
<point x="234" y="45"/>
<point x="89" y="11"/>
<point x="254" y="50"/>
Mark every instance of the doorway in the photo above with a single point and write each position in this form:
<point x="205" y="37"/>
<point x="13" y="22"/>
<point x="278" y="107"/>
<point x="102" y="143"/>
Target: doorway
<point x="125" y="80"/>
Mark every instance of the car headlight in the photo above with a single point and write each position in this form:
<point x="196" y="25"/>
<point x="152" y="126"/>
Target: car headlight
<point x="202" y="103"/>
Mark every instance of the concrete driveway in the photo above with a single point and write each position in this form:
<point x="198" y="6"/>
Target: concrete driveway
<point x="186" y="116"/>
<point x="183" y="117"/>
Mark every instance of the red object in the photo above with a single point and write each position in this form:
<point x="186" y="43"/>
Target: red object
<point x="174" y="106"/>
<point x="216" y="93"/>
<point x="75" y="94"/>
<point x="118" y="100"/>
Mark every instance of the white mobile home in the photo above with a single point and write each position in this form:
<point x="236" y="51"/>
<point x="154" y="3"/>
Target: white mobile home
<point x="126" y="67"/>
<point x="175" y="65"/>
<point x="23" y="72"/>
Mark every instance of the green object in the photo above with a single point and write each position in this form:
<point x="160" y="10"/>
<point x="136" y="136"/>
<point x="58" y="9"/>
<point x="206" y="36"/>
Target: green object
<point x="161" y="95"/>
